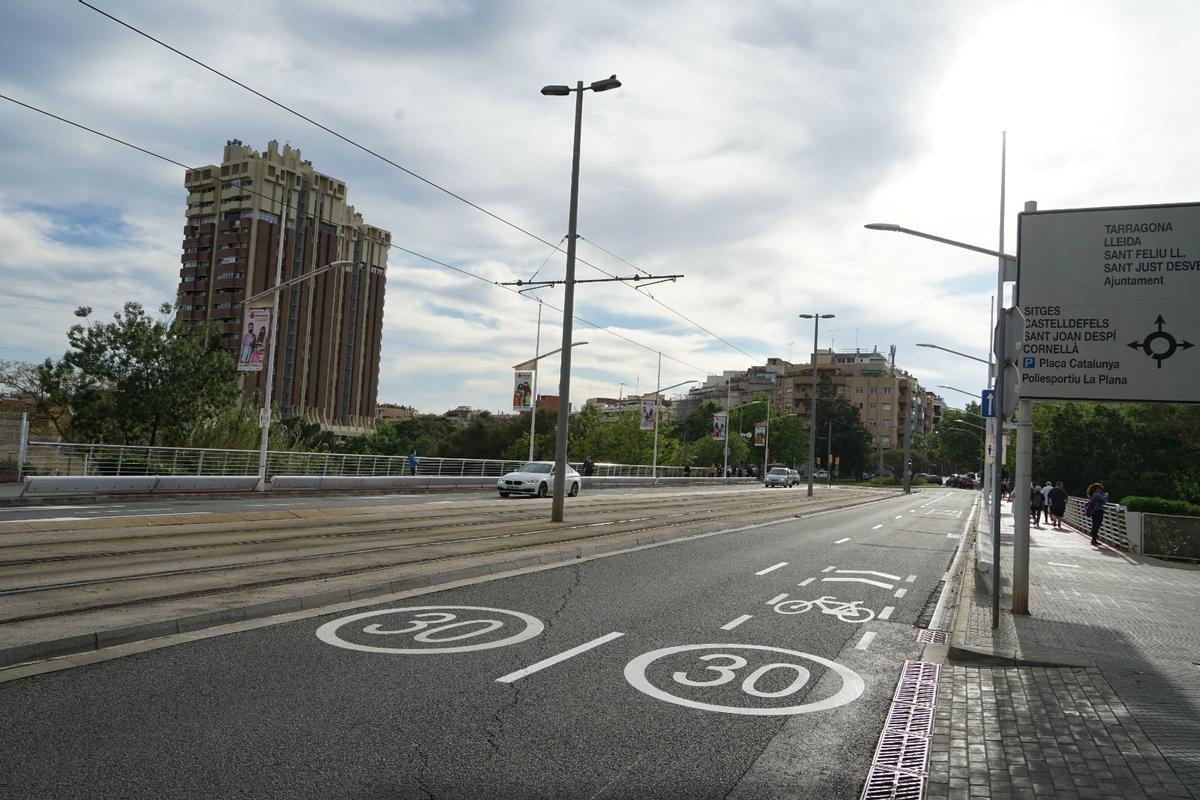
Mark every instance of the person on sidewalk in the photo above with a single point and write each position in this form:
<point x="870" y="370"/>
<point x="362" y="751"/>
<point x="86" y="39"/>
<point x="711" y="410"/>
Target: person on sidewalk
<point x="1058" y="504"/>
<point x="1094" y="508"/>
<point x="1046" y="505"/>
<point x="1037" y="502"/>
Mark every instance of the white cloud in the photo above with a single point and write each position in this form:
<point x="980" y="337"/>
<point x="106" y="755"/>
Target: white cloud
<point x="746" y="149"/>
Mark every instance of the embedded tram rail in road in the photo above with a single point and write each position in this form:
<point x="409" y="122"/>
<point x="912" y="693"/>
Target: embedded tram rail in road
<point x="74" y="586"/>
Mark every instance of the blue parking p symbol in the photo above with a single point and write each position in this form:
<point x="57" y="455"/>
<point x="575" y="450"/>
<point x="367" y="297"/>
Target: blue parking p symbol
<point x="1028" y="362"/>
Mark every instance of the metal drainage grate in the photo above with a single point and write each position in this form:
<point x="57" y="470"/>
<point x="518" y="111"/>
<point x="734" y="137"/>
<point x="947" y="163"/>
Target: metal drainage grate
<point x="887" y="784"/>
<point x="904" y="753"/>
<point x="929" y="636"/>
<point x="920" y="671"/>
<point x="911" y="720"/>
<point x="916" y="694"/>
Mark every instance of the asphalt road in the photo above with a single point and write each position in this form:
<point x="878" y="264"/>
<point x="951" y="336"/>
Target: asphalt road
<point x="701" y="681"/>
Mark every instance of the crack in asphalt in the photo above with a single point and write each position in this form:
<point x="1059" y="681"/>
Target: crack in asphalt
<point x="419" y="774"/>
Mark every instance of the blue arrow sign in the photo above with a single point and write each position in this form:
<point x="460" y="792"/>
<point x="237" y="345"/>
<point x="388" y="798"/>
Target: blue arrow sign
<point x="988" y="401"/>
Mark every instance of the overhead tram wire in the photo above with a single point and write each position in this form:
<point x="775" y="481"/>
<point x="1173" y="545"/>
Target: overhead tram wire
<point x="386" y="160"/>
<point x="290" y="206"/>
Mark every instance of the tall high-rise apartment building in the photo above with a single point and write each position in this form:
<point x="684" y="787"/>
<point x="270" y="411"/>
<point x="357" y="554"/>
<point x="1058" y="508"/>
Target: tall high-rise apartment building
<point x="329" y="327"/>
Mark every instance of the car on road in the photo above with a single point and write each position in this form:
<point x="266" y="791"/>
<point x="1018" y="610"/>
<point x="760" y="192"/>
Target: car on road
<point x="821" y="473"/>
<point x="537" y="479"/>
<point x="780" y="476"/>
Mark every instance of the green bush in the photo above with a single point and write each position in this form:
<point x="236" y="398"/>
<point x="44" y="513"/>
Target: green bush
<point x="1172" y="537"/>
<point x="1160" y="505"/>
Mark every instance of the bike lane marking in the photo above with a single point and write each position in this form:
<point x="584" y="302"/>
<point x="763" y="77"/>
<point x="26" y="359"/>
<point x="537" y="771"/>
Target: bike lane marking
<point x="829" y="569"/>
<point x="728" y="626"/>
<point x="877" y="527"/>
<point x="867" y="581"/>
<point x="563" y="656"/>
<point x="772" y="568"/>
<point x="806" y="582"/>
<point x="910" y="579"/>
<point x="777" y="598"/>
<point x="865" y="641"/>
<point x="842" y="541"/>
<point x="901" y="592"/>
<point x="887" y="612"/>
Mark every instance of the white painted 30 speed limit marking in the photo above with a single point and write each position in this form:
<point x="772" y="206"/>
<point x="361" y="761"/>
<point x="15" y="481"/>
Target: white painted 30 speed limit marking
<point x="725" y="666"/>
<point x="427" y="629"/>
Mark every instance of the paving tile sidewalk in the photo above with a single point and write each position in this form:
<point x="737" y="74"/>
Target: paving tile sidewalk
<point x="1094" y="694"/>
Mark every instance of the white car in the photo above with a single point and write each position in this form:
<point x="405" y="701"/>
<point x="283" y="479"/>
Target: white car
<point x="536" y="478"/>
<point x="779" y="476"/>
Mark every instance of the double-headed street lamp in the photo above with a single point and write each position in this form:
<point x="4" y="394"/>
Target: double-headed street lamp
<point x="812" y="401"/>
<point x="531" y="364"/>
<point x="564" y="379"/>
<point x="274" y="291"/>
<point x="657" y="396"/>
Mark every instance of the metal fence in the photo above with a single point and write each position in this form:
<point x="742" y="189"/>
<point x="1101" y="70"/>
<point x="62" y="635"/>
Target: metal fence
<point x="95" y="460"/>
<point x="1112" y="529"/>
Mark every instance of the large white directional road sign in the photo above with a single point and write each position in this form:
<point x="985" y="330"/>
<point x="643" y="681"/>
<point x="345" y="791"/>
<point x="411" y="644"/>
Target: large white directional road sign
<point x="1111" y="298"/>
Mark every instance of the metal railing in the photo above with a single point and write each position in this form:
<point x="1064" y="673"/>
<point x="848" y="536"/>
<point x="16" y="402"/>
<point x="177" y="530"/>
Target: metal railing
<point x="96" y="460"/>
<point x="1112" y="529"/>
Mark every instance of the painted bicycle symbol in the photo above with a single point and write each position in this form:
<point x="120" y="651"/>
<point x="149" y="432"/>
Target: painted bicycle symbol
<point x="430" y="629"/>
<point x="849" y="611"/>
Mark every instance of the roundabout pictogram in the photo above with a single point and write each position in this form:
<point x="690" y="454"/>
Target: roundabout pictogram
<point x="1160" y="345"/>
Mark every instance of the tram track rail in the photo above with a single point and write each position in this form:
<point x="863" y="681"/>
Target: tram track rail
<point x="78" y="596"/>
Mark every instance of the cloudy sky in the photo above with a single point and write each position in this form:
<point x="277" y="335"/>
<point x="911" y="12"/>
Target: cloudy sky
<point x="747" y="147"/>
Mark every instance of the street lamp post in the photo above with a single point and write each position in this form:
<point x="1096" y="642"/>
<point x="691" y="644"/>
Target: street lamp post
<point x="657" y="397"/>
<point x="531" y="364"/>
<point x="812" y="402"/>
<point x="265" y="418"/>
<point x="564" y="379"/>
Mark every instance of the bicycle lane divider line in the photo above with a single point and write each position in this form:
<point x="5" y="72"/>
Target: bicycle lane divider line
<point x="868" y="572"/>
<point x="867" y="581"/>
<point x="901" y="592"/>
<point x="777" y="598"/>
<point x="842" y="541"/>
<point x="887" y="612"/>
<point x="728" y="626"/>
<point x="563" y="656"/>
<point x="877" y="527"/>
<point x="806" y="582"/>
<point x="865" y="641"/>
<point x="772" y="568"/>
<point x="910" y="579"/>
<point x="829" y="569"/>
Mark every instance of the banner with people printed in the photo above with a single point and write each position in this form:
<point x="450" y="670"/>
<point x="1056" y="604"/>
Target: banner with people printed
<point x="253" y="350"/>
<point x="647" y="415"/>
<point x="523" y="390"/>
<point x="760" y="434"/>
<point x="718" y="426"/>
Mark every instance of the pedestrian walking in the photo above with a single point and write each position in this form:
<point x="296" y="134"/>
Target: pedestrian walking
<point x="1046" y="505"/>
<point x="1037" y="502"/>
<point x="1058" y="504"/>
<point x="1094" y="508"/>
<point x="589" y="467"/>
<point x="412" y="463"/>
<point x="1004" y="491"/>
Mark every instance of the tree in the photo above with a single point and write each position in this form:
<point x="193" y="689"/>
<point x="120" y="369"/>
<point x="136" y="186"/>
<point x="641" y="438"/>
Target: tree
<point x="136" y="380"/>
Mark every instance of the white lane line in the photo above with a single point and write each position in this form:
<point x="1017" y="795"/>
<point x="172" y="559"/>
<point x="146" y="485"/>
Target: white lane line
<point x="865" y="641"/>
<point x="952" y="535"/>
<point x="829" y="569"/>
<point x="779" y="598"/>
<point x="867" y="572"/>
<point x="57" y="508"/>
<point x="1057" y="564"/>
<point x="109" y="516"/>
<point x="842" y="541"/>
<point x="901" y="592"/>
<point x="900" y="517"/>
<point x="806" y="582"/>
<point x="910" y="579"/>
<point x="728" y="626"/>
<point x="887" y="612"/>
<point x="877" y="527"/>
<point x="867" y="581"/>
<point x="563" y="656"/>
<point x="772" y="568"/>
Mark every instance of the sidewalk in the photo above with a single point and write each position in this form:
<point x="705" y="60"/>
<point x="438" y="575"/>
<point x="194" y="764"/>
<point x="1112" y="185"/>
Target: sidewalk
<point x="1094" y="694"/>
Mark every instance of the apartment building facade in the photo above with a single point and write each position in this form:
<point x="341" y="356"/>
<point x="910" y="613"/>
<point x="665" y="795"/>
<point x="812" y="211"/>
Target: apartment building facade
<point x="329" y="328"/>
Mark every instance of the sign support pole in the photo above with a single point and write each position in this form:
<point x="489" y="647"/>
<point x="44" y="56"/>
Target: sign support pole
<point x="1023" y="480"/>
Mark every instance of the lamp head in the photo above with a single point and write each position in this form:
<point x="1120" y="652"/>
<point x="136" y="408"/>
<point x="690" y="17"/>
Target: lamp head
<point x="606" y="84"/>
<point x="557" y="91"/>
<point x="882" y="226"/>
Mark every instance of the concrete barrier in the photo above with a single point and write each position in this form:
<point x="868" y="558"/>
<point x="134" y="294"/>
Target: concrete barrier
<point x="44" y="485"/>
<point x="168" y="484"/>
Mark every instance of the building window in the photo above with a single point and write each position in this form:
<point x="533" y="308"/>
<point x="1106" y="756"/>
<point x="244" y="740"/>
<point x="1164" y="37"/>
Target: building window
<point x="268" y="217"/>
<point x="887" y="390"/>
<point x="858" y="390"/>
<point x="887" y="406"/>
<point x="229" y="260"/>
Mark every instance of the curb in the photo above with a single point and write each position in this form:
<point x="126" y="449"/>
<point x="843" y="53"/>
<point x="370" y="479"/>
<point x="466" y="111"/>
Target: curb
<point x="98" y="640"/>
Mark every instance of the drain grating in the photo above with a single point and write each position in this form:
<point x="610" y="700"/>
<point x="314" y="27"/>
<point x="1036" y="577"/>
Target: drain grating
<point x="886" y="784"/>
<point x="898" y="769"/>
<point x="902" y="753"/>
<point x="911" y="720"/>
<point x="930" y="636"/>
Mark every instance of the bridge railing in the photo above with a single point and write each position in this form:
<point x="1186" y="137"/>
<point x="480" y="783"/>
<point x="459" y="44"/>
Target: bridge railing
<point x="104" y="460"/>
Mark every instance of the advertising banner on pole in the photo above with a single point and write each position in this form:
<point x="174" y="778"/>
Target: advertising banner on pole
<point x="719" y="426"/>
<point x="647" y="415"/>
<point x="1111" y="299"/>
<point x="760" y="434"/>
<point x="255" y="335"/>
<point x="522" y="390"/>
